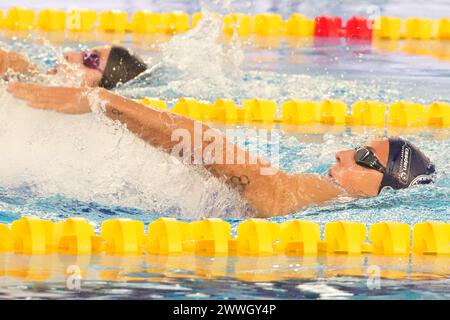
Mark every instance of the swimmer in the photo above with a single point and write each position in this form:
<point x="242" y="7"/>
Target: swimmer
<point x="102" y="66"/>
<point x="363" y="172"/>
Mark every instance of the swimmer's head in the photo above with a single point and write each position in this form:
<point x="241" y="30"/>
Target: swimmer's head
<point x="106" y="66"/>
<point x="121" y="67"/>
<point x="391" y="163"/>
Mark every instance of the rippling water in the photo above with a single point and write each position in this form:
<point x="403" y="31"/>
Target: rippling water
<point x="57" y="166"/>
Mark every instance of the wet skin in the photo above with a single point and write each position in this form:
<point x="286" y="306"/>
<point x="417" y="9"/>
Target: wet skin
<point x="355" y="179"/>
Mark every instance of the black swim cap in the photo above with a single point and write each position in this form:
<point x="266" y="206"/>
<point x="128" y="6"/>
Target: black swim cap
<point x="122" y="66"/>
<point x="406" y="166"/>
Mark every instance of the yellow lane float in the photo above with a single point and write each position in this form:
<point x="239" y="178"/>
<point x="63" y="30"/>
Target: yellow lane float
<point x="300" y="112"/>
<point x="255" y="237"/>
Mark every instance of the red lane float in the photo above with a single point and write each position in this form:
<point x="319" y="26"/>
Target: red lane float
<point x="328" y="26"/>
<point x="359" y="28"/>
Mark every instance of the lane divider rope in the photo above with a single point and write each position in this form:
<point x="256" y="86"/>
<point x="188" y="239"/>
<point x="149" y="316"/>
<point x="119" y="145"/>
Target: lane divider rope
<point x="300" y="112"/>
<point x="255" y="237"/>
<point x="264" y="24"/>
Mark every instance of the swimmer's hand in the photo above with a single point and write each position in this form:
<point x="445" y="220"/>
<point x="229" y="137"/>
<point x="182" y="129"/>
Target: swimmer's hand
<point x="61" y="99"/>
<point x="16" y="62"/>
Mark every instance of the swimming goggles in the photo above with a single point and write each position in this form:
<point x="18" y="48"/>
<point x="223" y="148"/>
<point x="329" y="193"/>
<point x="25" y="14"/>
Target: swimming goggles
<point x="365" y="157"/>
<point x="92" y="60"/>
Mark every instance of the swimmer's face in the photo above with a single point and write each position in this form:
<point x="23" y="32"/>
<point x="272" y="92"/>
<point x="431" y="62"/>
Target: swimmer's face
<point x="91" y="76"/>
<point x="355" y="179"/>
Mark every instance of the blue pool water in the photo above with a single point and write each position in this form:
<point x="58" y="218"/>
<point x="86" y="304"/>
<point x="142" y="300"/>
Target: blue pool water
<point x="58" y="166"/>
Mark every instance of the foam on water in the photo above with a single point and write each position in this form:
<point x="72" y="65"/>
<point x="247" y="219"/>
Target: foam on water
<point x="91" y="158"/>
<point x="196" y="63"/>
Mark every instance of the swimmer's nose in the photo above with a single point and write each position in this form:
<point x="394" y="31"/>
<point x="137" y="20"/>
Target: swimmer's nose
<point x="345" y="157"/>
<point x="52" y="71"/>
<point x="72" y="57"/>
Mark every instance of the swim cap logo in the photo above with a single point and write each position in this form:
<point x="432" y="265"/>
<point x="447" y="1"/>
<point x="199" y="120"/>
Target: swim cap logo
<point x="405" y="160"/>
<point x="422" y="179"/>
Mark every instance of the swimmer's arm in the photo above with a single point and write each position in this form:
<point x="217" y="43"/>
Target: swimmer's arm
<point x="275" y="193"/>
<point x="16" y="62"/>
<point x="278" y="193"/>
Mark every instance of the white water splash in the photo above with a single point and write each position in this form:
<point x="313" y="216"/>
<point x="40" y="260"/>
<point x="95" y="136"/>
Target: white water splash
<point x="198" y="62"/>
<point x="91" y="158"/>
<point x="68" y="75"/>
<point x="206" y="64"/>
